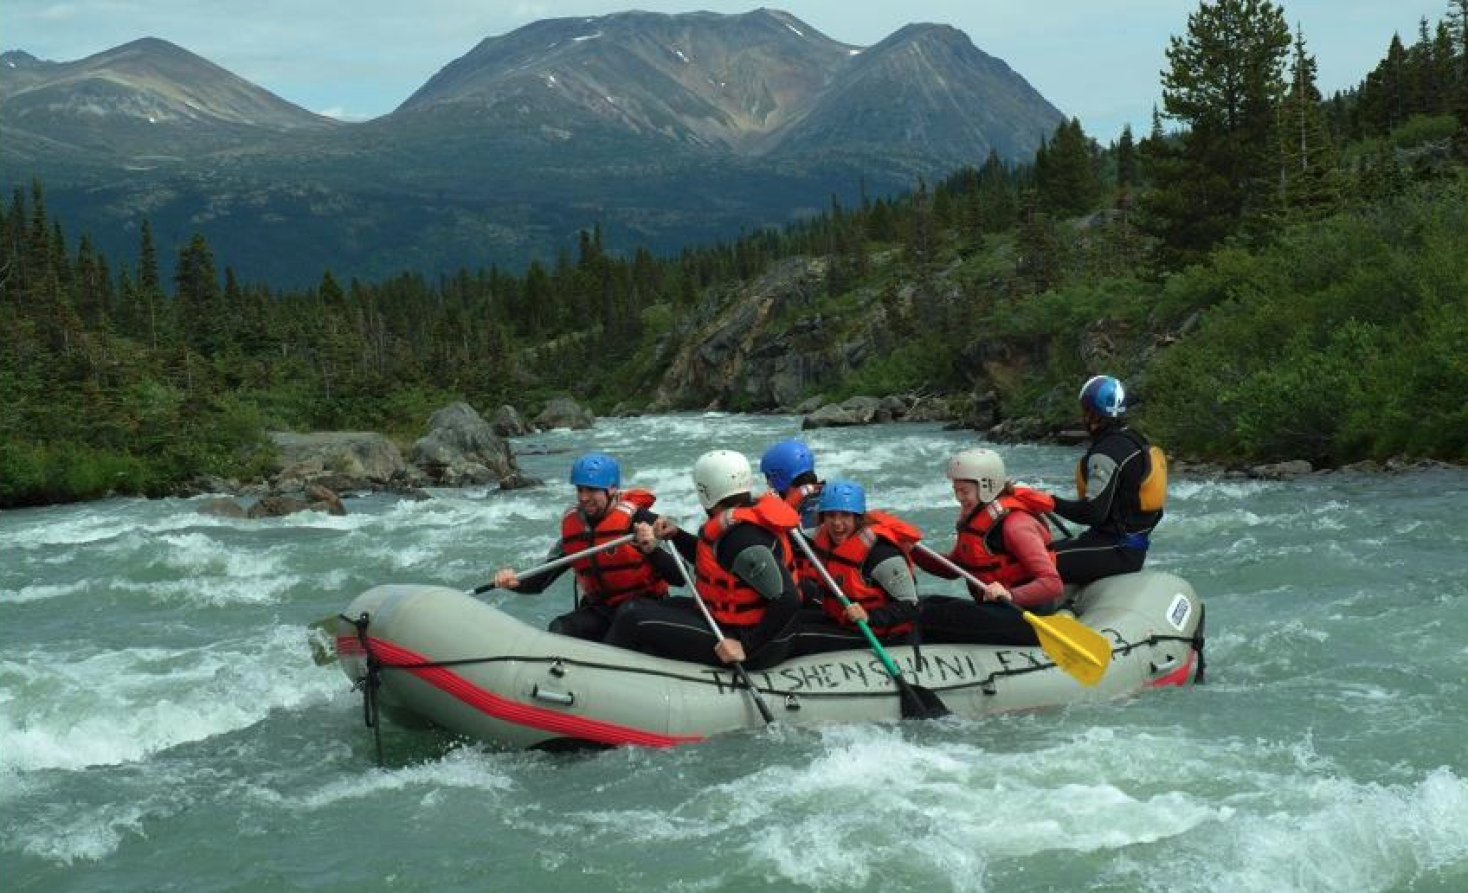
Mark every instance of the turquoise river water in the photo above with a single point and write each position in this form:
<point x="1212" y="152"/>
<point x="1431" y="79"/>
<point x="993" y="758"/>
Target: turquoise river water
<point x="163" y="727"/>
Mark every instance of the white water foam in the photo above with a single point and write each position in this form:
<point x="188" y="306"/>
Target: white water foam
<point x="122" y="706"/>
<point x="466" y="767"/>
<point x="43" y="591"/>
<point x="1339" y="835"/>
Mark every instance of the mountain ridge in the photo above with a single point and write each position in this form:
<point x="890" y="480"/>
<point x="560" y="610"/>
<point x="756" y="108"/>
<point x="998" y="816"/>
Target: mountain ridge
<point x="668" y="129"/>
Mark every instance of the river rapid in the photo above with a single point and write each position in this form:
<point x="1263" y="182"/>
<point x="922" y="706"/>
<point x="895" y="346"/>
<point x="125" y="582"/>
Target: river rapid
<point x="163" y="727"/>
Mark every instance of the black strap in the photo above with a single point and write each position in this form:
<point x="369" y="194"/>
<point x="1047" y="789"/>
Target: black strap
<point x="369" y="683"/>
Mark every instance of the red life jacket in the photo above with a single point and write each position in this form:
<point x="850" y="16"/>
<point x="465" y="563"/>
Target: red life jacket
<point x="980" y="547"/>
<point x="845" y="563"/>
<point x="610" y="578"/>
<point x="732" y="601"/>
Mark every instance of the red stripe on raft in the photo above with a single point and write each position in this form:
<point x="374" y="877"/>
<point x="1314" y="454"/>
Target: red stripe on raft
<point x="579" y="727"/>
<point x="1181" y="676"/>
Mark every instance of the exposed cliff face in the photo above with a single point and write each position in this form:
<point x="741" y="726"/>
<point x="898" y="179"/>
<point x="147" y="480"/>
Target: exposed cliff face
<point x="728" y="354"/>
<point x="766" y="345"/>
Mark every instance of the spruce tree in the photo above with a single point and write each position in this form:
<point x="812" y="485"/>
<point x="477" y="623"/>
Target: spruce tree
<point x="1126" y="160"/>
<point x="1309" y="180"/>
<point x="1224" y="82"/>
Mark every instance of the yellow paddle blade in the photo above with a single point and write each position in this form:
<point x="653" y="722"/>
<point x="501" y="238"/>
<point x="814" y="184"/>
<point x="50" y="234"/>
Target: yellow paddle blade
<point x="1076" y="648"/>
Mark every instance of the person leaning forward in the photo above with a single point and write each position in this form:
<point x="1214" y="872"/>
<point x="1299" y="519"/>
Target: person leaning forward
<point x="605" y="581"/>
<point x="1002" y="540"/>
<point x="741" y="559"/>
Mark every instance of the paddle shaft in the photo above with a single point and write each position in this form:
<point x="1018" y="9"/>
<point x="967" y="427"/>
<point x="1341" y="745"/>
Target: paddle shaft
<point x="944" y="560"/>
<point x="1077" y="649"/>
<point x="759" y="701"/>
<point x="887" y="663"/>
<point x="561" y="562"/>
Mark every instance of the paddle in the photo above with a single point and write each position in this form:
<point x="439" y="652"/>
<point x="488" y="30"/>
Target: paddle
<point x="759" y="701"/>
<point x="917" y="702"/>
<point x="559" y="562"/>
<point x="321" y="630"/>
<point x="1076" y="648"/>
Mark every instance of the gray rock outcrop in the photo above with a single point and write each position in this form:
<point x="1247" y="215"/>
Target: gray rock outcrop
<point x="507" y="422"/>
<point x="349" y="459"/>
<point x="461" y="449"/>
<point x="563" y="412"/>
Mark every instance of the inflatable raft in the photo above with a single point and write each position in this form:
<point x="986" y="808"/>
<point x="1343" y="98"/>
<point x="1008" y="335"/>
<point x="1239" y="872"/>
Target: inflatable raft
<point x="426" y="653"/>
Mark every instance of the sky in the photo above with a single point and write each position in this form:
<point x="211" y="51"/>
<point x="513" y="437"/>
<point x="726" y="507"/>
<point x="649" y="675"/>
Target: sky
<point x="357" y="59"/>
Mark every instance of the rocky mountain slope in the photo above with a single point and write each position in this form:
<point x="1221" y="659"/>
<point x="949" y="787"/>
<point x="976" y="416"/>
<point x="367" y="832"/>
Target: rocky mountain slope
<point x="665" y="129"/>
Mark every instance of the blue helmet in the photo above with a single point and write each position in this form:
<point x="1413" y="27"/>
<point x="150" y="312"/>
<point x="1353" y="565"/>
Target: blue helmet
<point x="784" y="462"/>
<point x="843" y="496"/>
<point x="596" y="470"/>
<point x="1104" y="395"/>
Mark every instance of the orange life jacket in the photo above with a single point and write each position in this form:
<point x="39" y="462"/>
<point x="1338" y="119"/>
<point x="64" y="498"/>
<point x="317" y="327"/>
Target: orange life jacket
<point x="610" y="578"/>
<point x="980" y="547"/>
<point x="845" y="563"/>
<point x="732" y="601"/>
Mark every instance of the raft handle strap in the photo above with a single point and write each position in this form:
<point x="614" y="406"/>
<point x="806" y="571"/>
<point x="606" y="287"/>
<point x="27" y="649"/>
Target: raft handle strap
<point x="369" y="682"/>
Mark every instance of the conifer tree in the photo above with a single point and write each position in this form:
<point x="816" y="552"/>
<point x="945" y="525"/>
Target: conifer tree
<point x="1224" y="81"/>
<point x="996" y="195"/>
<point x="1067" y="181"/>
<point x="1126" y="160"/>
<point x="1309" y="182"/>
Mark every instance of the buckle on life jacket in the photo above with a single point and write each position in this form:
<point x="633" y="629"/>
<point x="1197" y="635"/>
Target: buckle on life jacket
<point x="1136" y="541"/>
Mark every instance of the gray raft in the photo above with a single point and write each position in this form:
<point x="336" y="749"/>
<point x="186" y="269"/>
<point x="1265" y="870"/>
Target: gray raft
<point x="451" y="660"/>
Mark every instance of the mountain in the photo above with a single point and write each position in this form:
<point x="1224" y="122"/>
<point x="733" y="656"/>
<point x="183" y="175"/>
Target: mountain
<point x="701" y="79"/>
<point x="137" y="103"/>
<point x="925" y="95"/>
<point x="664" y="129"/>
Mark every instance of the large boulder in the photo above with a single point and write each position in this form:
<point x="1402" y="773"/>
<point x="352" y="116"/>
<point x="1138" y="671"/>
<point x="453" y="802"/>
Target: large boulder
<point x="508" y="422"/>
<point x="563" y="412"/>
<point x="461" y="449"/>
<point x="348" y="459"/>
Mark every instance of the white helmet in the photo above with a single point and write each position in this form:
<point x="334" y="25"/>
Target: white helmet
<point x="983" y="467"/>
<point x="719" y="474"/>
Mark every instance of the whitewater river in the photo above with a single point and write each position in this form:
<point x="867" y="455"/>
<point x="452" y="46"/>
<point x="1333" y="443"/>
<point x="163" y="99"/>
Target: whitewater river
<point x="162" y="725"/>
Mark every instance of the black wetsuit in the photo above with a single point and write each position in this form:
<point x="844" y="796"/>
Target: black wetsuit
<point x="1117" y="537"/>
<point x="674" y="627"/>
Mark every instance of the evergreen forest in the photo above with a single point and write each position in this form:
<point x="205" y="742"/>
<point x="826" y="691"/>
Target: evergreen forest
<point x="1293" y="269"/>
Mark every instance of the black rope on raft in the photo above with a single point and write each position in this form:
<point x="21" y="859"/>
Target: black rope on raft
<point x="369" y="683"/>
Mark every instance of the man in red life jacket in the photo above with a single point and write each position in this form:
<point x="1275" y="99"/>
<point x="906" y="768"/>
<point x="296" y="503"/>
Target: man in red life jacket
<point x="1002" y="540"/>
<point x="605" y="581"/>
<point x="865" y="552"/>
<point x="789" y="468"/>
<point x="741" y="559"/>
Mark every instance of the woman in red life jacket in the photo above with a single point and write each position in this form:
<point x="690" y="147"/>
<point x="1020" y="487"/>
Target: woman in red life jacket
<point x="865" y="552"/>
<point x="1002" y="540"/>
<point x="741" y="559"/>
<point x="605" y="581"/>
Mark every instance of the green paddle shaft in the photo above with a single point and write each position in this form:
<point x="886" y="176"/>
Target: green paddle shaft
<point x="882" y="655"/>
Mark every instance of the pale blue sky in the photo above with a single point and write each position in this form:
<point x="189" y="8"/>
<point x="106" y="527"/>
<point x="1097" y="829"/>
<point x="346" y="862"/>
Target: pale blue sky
<point x="358" y="59"/>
